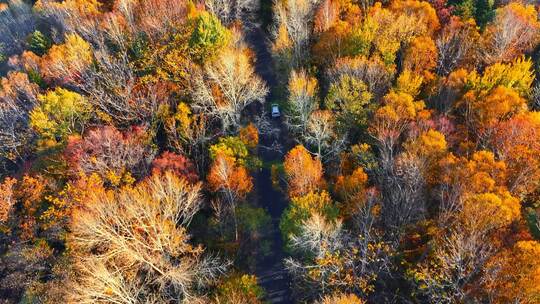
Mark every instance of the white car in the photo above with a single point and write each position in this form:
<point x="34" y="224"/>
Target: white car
<point x="275" y="110"/>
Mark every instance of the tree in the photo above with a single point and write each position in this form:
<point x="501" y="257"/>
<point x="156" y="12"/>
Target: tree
<point x="475" y="208"/>
<point x="515" y="273"/>
<point x="372" y="72"/>
<point x="482" y="173"/>
<point x="351" y="190"/>
<point x="399" y="24"/>
<point x="517" y="142"/>
<point x="301" y="101"/>
<point x="499" y="105"/>
<point x="229" y="85"/>
<point x="304" y="172"/>
<point x="66" y="63"/>
<point x="249" y="135"/>
<point x="514" y="31"/>
<point x="494" y="96"/>
<point x="7" y="199"/>
<point x="444" y="10"/>
<point x="18" y="96"/>
<point x="59" y="113"/>
<point x="517" y="75"/>
<point x="110" y="153"/>
<point x="208" y="37"/>
<point x="408" y="83"/>
<point x="391" y="120"/>
<point x="240" y="289"/>
<point x="421" y="56"/>
<point x="187" y="132"/>
<point x="179" y="164"/>
<point x="326" y="15"/>
<point x="39" y="43"/>
<point x="231" y="146"/>
<point x="132" y="245"/>
<point x="345" y="37"/>
<point x="421" y="11"/>
<point x="349" y="99"/>
<point x="232" y="180"/>
<point x="300" y="209"/>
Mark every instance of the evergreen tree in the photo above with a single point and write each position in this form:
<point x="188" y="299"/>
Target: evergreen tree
<point x="39" y="43"/>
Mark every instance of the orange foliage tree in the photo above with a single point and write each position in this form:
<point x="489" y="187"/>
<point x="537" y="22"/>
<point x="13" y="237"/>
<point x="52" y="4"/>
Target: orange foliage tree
<point x="304" y="172"/>
<point x="517" y="143"/>
<point x="516" y="274"/>
<point x="67" y="62"/>
<point x="232" y="180"/>
<point x="7" y="200"/>
<point x="249" y="135"/>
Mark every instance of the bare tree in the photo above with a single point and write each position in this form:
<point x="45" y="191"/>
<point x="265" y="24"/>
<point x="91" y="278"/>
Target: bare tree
<point x="455" y="45"/>
<point x="403" y="191"/>
<point x="113" y="89"/>
<point x="133" y="247"/>
<point x="320" y="134"/>
<point x="296" y="17"/>
<point x="460" y="259"/>
<point x="227" y="85"/>
<point x="330" y="259"/>
<point x="229" y="11"/>
<point x="71" y="17"/>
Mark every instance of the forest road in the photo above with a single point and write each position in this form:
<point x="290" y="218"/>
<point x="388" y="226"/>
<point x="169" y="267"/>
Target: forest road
<point x="270" y="269"/>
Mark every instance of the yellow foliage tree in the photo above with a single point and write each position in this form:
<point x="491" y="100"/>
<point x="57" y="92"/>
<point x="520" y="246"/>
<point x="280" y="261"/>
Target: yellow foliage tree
<point x="59" y="114"/>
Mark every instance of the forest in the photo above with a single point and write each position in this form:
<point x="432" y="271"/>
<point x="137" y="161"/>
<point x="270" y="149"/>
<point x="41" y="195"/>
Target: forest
<point x="269" y="151"/>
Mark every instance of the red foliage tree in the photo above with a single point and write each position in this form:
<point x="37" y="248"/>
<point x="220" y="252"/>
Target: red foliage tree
<point x="105" y="151"/>
<point x="179" y="164"/>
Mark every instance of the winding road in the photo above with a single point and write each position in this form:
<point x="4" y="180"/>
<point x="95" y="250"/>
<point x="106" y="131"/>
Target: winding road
<point x="270" y="269"/>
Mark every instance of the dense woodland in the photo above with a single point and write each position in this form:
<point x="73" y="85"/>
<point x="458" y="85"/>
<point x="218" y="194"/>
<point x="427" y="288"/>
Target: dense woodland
<point x="138" y="154"/>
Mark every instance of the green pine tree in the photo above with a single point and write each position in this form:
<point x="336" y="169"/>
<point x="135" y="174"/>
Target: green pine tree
<point x="39" y="43"/>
